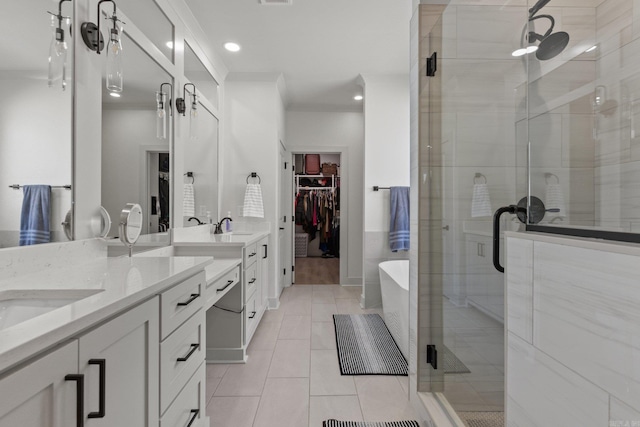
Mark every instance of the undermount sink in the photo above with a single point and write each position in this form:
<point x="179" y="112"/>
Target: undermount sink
<point x="16" y="306"/>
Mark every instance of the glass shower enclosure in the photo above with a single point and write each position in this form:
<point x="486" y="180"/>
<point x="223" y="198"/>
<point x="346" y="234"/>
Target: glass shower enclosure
<point x="528" y="105"/>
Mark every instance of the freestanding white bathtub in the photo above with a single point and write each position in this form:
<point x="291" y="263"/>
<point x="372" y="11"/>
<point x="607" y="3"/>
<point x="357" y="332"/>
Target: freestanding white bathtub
<point x="394" y="285"/>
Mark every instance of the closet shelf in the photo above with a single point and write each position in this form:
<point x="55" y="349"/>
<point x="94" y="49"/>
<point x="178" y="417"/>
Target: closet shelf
<point x="331" y="187"/>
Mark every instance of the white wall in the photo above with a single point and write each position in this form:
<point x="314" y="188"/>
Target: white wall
<point x="321" y="131"/>
<point x="386" y="164"/>
<point x="33" y="151"/>
<point x="251" y="143"/>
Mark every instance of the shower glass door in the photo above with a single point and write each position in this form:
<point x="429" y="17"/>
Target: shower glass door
<point x="474" y="104"/>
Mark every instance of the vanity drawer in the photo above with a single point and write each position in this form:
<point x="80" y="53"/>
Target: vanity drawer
<point x="180" y="355"/>
<point x="189" y="405"/>
<point x="180" y="302"/>
<point x="250" y="281"/>
<point x="251" y="320"/>
<point x="250" y="254"/>
<point x="218" y="288"/>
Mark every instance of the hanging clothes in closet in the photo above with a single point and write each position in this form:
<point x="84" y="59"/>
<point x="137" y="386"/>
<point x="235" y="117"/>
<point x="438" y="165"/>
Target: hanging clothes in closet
<point x="316" y="212"/>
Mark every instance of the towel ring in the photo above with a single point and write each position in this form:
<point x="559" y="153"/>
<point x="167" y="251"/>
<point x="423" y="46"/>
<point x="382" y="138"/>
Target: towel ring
<point x="549" y="175"/>
<point x="254" y="175"/>
<point x="190" y="175"/>
<point x="478" y="176"/>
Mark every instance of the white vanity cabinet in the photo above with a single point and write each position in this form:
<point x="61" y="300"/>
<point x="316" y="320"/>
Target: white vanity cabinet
<point x="233" y="312"/>
<point x="140" y="364"/>
<point x="40" y="393"/>
<point x="119" y="361"/>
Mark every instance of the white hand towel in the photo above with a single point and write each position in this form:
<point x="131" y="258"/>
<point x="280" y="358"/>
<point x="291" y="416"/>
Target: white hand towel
<point x="481" y="202"/>
<point x="253" y="201"/>
<point x="554" y="199"/>
<point x="188" y="201"/>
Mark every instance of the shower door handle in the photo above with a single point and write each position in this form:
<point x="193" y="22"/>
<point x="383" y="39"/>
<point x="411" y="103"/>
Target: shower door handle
<point x="512" y="209"/>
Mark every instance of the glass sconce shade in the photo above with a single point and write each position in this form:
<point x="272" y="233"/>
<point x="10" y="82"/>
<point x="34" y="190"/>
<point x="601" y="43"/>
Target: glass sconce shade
<point x="193" y="118"/>
<point x="58" y="53"/>
<point x="161" y="115"/>
<point x="114" y="61"/>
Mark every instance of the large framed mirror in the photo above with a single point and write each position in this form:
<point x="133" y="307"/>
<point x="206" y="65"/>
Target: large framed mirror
<point x="135" y="161"/>
<point x="201" y="150"/>
<point x="35" y="119"/>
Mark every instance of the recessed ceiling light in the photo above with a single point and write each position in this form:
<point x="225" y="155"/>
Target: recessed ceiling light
<point x="358" y="97"/>
<point x="524" y="51"/>
<point x="170" y="45"/>
<point x="232" y="47"/>
<point x="592" y="48"/>
<point x="114" y="94"/>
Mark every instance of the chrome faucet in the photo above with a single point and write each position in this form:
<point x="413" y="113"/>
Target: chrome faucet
<point x="218" y="229"/>
<point x="193" y="217"/>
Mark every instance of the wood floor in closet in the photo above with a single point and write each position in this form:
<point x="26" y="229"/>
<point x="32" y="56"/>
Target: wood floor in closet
<point x="317" y="271"/>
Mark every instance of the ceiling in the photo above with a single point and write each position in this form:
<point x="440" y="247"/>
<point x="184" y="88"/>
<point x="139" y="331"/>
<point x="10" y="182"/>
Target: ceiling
<point x="320" y="47"/>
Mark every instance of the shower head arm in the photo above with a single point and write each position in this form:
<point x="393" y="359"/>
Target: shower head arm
<point x="533" y="36"/>
<point x="539" y="5"/>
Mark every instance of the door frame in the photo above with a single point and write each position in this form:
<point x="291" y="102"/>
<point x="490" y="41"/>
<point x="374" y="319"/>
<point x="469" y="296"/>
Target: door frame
<point x="344" y="205"/>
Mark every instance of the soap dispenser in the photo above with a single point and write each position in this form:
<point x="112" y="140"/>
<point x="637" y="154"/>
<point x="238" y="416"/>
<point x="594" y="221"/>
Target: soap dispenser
<point x="228" y="225"/>
<point x="210" y="222"/>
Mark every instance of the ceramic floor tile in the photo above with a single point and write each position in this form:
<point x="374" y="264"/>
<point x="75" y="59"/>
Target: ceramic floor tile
<point x="265" y="336"/>
<point x="246" y="379"/>
<point x="325" y="375"/>
<point x="323" y="312"/>
<point x="347" y="292"/>
<point x="297" y="307"/>
<point x="323" y="336"/>
<point x="344" y="408"/>
<point x="323" y="298"/>
<point x="273" y="316"/>
<point x="232" y="411"/>
<point x="349" y="306"/>
<point x="212" y="384"/>
<point x="290" y="359"/>
<point x="285" y="403"/>
<point x="383" y="399"/>
<point x="295" y="328"/>
<point x="216" y="370"/>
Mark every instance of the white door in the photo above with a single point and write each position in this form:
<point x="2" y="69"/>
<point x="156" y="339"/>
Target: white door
<point x="38" y="394"/>
<point x="124" y="353"/>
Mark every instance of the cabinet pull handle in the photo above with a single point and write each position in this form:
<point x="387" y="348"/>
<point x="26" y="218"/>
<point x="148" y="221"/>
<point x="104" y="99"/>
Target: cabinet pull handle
<point x="189" y="301"/>
<point x="253" y="314"/>
<point x="79" y="379"/>
<point x="195" y="413"/>
<point x="252" y="254"/>
<point x="229" y="283"/>
<point x="102" y="363"/>
<point x="194" y="347"/>
<point x="252" y="281"/>
<point x="265" y="251"/>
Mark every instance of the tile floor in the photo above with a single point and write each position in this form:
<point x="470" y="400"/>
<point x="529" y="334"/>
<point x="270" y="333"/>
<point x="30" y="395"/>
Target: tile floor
<point x="292" y="377"/>
<point x="478" y="341"/>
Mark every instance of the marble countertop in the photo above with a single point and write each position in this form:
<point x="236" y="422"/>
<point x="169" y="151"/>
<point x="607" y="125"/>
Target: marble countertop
<point x="120" y="283"/>
<point x="240" y="239"/>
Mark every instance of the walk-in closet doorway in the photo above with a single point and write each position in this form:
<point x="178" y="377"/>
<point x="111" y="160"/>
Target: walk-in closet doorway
<point x="317" y="220"/>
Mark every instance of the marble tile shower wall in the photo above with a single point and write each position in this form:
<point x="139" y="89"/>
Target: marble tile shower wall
<point x="572" y="356"/>
<point x="617" y="122"/>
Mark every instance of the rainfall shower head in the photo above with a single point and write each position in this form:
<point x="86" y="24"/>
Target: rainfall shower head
<point x="551" y="44"/>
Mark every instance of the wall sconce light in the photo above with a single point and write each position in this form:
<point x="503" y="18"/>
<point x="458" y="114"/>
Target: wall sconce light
<point x="193" y="112"/>
<point x="58" y="49"/>
<point x="93" y="39"/>
<point x="161" y="114"/>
